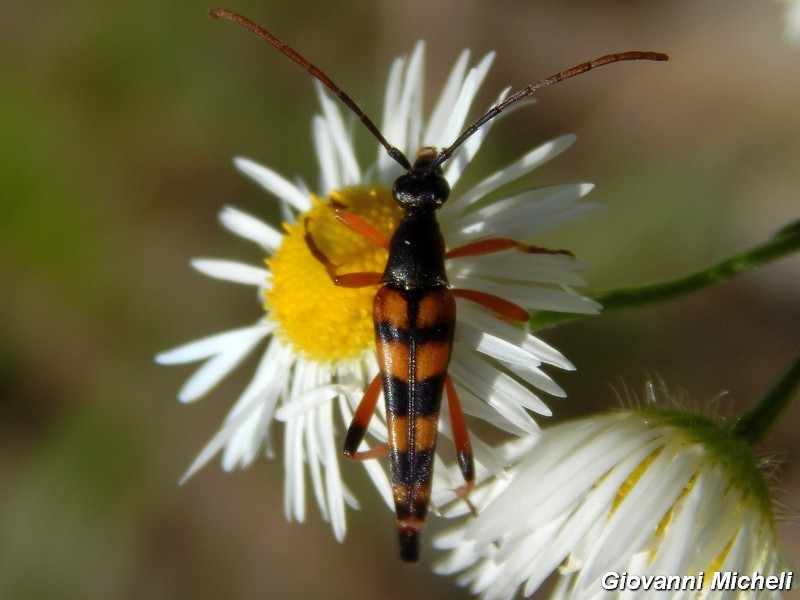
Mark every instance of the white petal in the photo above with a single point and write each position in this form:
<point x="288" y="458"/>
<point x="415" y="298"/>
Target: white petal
<point x="219" y="343"/>
<point x="249" y="405"/>
<point x="457" y="115"/>
<point x="593" y="508"/>
<point x="333" y="478"/>
<point x="514" y="265"/>
<point x="413" y="90"/>
<point x="456" y="165"/>
<point x="678" y="546"/>
<point x="384" y="162"/>
<point x="537" y="378"/>
<point x="720" y="522"/>
<point x="294" y="497"/>
<point x="315" y="462"/>
<point x="518" y="360"/>
<point x="402" y="114"/>
<point x="231" y="270"/>
<point x="218" y="441"/>
<point x="308" y="376"/>
<point x="477" y="407"/>
<point x="447" y="480"/>
<point x="374" y="469"/>
<point x="273" y="183"/>
<point x="244" y="444"/>
<point x="493" y="346"/>
<point x="329" y="175"/>
<point x="531" y="160"/>
<point x="310" y="401"/>
<point x="440" y="114"/>
<point x="654" y="493"/>
<point x="480" y="319"/>
<point x="496" y="388"/>
<point x="250" y="228"/>
<point x="522" y="216"/>
<point x="531" y="297"/>
<point x="584" y="449"/>
<point x="345" y="155"/>
<point x="381" y="481"/>
<point x="264" y="389"/>
<point x="215" y="369"/>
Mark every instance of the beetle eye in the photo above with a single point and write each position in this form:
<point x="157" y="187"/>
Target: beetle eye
<point x="442" y="190"/>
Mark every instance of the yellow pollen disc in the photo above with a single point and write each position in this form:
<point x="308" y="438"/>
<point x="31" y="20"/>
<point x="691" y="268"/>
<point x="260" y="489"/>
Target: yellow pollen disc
<point x="323" y="321"/>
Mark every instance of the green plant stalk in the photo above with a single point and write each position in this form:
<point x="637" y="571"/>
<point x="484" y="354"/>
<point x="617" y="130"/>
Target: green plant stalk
<point x="784" y="243"/>
<point x="755" y="425"/>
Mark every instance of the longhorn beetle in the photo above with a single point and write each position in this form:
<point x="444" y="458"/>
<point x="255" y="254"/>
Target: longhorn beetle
<point x="414" y="310"/>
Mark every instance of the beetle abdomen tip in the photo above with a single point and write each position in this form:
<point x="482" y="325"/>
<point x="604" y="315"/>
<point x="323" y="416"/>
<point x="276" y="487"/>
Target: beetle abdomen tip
<point x="409" y="543"/>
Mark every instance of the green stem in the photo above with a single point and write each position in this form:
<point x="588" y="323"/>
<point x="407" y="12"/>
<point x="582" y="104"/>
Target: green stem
<point x="755" y="424"/>
<point x="785" y="242"/>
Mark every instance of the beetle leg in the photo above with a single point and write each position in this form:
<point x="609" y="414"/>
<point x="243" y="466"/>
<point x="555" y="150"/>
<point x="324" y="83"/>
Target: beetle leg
<point x="360" y="423"/>
<point x="492" y="245"/>
<point x="501" y="307"/>
<point x="460" y="436"/>
<point x="350" y="280"/>
<point x="361" y="226"/>
<point x="466" y="462"/>
<point x="357" y="280"/>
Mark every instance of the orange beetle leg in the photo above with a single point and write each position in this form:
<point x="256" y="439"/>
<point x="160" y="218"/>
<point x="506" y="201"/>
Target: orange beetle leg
<point x="492" y="245"/>
<point x="349" y="280"/>
<point x="355" y="223"/>
<point x="360" y="423"/>
<point x="502" y="308"/>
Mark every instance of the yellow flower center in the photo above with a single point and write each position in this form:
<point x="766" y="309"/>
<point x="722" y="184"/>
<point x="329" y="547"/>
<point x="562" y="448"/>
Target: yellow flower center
<point x="323" y="321"/>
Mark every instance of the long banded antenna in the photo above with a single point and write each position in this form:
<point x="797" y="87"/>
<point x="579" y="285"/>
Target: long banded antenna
<point x="446" y="153"/>
<point x="535" y="87"/>
<point x="229" y="15"/>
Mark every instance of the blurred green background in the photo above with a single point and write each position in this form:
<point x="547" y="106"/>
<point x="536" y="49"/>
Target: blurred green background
<point x="117" y="129"/>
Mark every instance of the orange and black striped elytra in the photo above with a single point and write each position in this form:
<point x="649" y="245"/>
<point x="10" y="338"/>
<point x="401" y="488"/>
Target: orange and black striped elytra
<point x="414" y="310"/>
<point x="414" y="333"/>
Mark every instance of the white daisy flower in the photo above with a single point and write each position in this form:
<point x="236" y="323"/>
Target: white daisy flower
<point x="320" y="350"/>
<point x="643" y="493"/>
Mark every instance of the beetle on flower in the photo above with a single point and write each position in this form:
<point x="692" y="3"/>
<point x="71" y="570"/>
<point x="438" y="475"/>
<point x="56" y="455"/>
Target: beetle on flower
<point x="320" y="353"/>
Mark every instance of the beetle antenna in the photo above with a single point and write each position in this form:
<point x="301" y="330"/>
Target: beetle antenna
<point x="535" y="87"/>
<point x="229" y="15"/>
